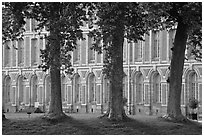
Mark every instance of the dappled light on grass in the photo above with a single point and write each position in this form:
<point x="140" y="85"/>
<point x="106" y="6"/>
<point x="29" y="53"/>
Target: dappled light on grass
<point x="90" y="124"/>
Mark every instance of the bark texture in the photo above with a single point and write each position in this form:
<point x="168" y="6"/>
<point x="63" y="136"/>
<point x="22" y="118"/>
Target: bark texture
<point x="55" y="108"/>
<point x="116" y="106"/>
<point x="176" y="72"/>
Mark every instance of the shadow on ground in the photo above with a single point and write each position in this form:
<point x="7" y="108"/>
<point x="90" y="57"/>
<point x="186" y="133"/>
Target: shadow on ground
<point x="91" y="125"/>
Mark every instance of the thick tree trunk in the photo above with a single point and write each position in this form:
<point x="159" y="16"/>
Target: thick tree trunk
<point x="116" y="106"/>
<point x="176" y="72"/>
<point x="55" y="108"/>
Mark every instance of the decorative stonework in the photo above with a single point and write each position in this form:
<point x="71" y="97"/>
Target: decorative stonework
<point x="14" y="76"/>
<point x="98" y="73"/>
<point x="200" y="71"/>
<point x="27" y="75"/>
<point x="83" y="74"/>
<point x="40" y="75"/>
<point x="145" y="72"/>
<point x="163" y="71"/>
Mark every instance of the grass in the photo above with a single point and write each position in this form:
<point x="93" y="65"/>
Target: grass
<point x="90" y="124"/>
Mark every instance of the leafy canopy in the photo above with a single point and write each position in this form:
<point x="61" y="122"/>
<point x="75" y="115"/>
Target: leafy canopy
<point x="107" y="18"/>
<point x="63" y="21"/>
<point x="165" y="15"/>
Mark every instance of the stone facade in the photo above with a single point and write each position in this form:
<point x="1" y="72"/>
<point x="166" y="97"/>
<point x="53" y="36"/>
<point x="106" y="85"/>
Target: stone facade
<point x="86" y="91"/>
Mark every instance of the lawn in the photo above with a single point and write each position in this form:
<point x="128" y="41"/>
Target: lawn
<point x="90" y="124"/>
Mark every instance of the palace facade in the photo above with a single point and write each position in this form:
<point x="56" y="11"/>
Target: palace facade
<point x="86" y="91"/>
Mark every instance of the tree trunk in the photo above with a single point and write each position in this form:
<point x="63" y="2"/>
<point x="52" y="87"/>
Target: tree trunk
<point x="116" y="106"/>
<point x="176" y="72"/>
<point x="55" y="108"/>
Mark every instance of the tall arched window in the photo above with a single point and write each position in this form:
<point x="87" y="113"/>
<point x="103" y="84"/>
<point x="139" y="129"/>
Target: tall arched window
<point x="20" y="52"/>
<point x="91" y="52"/>
<point x="7" y="90"/>
<point x="77" y="88"/>
<point x="155" y="45"/>
<point x="156" y="88"/>
<point x="7" y="53"/>
<point x="91" y="89"/>
<point x="193" y="85"/>
<point x="34" y="51"/>
<point x="33" y="90"/>
<point x="21" y="90"/>
<point x="139" y="88"/>
<point x="76" y="53"/>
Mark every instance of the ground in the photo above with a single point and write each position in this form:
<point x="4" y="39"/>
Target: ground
<point x="90" y="124"/>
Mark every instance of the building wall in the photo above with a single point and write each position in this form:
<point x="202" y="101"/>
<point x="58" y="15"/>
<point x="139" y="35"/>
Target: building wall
<point x="86" y="91"/>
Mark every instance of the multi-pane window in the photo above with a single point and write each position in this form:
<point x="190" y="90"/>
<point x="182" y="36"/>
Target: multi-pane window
<point x="7" y="90"/>
<point x="83" y="90"/>
<point x="34" y="51"/>
<point x="200" y="93"/>
<point x="164" y="93"/>
<point x="130" y="51"/>
<point x="7" y="53"/>
<point x="92" y="89"/>
<point x="91" y="52"/>
<point x="139" y="88"/>
<point x="77" y="90"/>
<point x="157" y="98"/>
<point x="14" y="53"/>
<point x="40" y="95"/>
<point x="33" y="24"/>
<point x="27" y="27"/>
<point x="138" y="51"/>
<point x="69" y="95"/>
<point x="20" y="52"/>
<point x="98" y="94"/>
<point x="155" y="45"/>
<point x="40" y="46"/>
<point x="76" y="53"/>
<point x="156" y="89"/>
<point x="13" y="100"/>
<point x="20" y="90"/>
<point x="139" y="97"/>
<point x="27" y="51"/>
<point x="27" y="95"/>
<point x="193" y="86"/>
<point x="34" y="89"/>
<point x="146" y="92"/>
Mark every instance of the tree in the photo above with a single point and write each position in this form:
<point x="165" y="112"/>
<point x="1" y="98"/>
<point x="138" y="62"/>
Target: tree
<point x="114" y="22"/>
<point x="187" y="17"/>
<point x="62" y="21"/>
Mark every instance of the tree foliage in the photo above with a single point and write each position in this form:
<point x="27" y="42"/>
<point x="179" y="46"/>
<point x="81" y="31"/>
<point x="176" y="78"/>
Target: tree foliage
<point x="64" y="19"/>
<point x="186" y="17"/>
<point x="111" y="23"/>
<point x="165" y="15"/>
<point x="63" y="22"/>
<point x="106" y="16"/>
